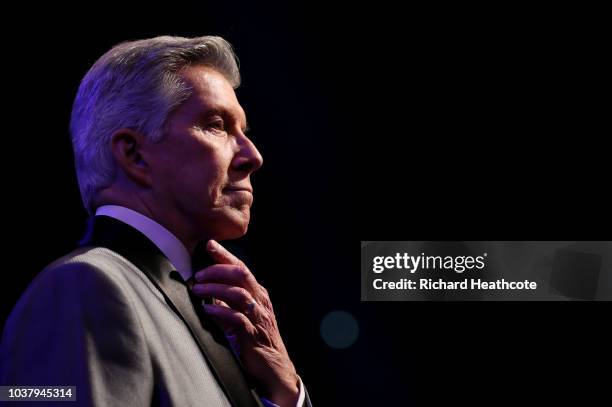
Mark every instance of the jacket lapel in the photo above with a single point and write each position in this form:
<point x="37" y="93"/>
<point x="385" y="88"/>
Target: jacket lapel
<point x="137" y="248"/>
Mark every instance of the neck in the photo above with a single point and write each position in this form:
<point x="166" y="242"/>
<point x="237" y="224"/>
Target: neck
<point x="169" y="219"/>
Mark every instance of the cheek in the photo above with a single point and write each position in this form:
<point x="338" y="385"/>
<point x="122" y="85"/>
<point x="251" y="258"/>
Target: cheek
<point x="209" y="175"/>
<point x="216" y="177"/>
<point x="200" y="171"/>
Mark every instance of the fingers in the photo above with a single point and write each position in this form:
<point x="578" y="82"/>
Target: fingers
<point x="224" y="326"/>
<point x="235" y="288"/>
<point x="233" y="322"/>
<point x="243" y="309"/>
<point x="221" y="255"/>
<point x="219" y="302"/>
<point x="229" y="274"/>
<point x="235" y="297"/>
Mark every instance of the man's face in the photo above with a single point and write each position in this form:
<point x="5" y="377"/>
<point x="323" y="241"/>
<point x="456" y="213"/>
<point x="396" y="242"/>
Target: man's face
<point x="202" y="166"/>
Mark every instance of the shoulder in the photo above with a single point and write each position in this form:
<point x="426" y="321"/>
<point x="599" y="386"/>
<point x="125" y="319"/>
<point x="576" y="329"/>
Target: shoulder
<point x="86" y="283"/>
<point x="91" y="259"/>
<point x="70" y="319"/>
<point x="85" y="267"/>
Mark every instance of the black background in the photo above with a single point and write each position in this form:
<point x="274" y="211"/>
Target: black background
<point x="376" y="123"/>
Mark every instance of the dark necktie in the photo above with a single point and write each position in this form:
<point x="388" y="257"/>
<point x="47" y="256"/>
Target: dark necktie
<point x="226" y="366"/>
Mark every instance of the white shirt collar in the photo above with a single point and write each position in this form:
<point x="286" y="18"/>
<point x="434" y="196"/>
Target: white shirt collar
<point x="169" y="245"/>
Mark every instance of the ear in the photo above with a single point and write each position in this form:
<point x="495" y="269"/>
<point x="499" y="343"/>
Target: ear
<point x="127" y="145"/>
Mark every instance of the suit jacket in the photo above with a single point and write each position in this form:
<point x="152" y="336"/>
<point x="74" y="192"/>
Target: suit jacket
<point x="115" y="319"/>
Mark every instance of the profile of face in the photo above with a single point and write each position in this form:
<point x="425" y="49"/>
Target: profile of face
<point x="201" y="168"/>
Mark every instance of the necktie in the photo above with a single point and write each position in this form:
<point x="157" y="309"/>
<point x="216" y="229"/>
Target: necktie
<point x="218" y="351"/>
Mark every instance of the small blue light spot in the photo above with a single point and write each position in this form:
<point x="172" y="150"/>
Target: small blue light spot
<point x="339" y="329"/>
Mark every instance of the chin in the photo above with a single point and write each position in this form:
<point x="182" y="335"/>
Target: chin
<point x="233" y="228"/>
<point x="234" y="232"/>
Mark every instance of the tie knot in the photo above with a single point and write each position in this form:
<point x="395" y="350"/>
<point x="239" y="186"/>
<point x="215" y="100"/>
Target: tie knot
<point x="190" y="282"/>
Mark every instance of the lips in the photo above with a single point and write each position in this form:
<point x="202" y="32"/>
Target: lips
<point x="238" y="189"/>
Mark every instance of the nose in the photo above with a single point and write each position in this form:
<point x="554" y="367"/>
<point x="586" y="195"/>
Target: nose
<point x="248" y="159"/>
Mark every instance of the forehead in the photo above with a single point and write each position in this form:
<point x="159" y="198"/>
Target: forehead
<point x="211" y="93"/>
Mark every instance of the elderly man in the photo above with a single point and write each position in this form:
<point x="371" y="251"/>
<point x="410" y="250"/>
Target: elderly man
<point x="151" y="309"/>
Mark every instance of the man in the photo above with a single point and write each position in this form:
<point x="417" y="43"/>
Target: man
<point x="164" y="164"/>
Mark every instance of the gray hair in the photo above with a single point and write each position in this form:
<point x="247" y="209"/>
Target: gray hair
<point x="135" y="85"/>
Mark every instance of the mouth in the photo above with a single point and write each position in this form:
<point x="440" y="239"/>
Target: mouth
<point x="238" y="189"/>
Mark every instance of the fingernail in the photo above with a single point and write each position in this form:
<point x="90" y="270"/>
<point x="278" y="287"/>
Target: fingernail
<point x="213" y="246"/>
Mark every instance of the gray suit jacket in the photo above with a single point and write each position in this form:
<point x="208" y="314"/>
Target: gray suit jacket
<point x="115" y="319"/>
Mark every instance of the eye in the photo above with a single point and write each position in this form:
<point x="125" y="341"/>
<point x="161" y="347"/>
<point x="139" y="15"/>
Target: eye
<point x="217" y="124"/>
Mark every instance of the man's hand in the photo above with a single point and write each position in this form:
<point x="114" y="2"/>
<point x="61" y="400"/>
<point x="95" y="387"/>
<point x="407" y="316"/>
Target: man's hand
<point x="243" y="309"/>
